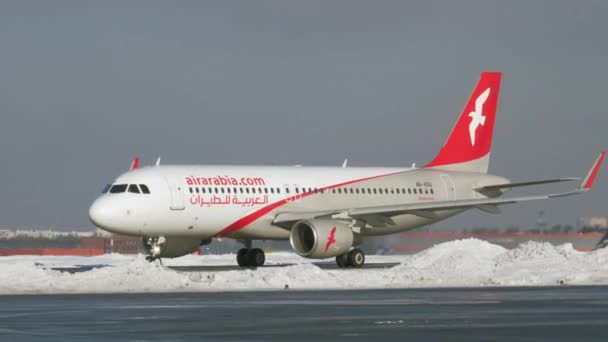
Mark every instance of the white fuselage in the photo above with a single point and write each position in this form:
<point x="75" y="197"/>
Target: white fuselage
<point x="242" y="201"/>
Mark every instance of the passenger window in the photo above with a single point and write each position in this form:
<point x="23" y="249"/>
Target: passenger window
<point x="196" y="190"/>
<point x="409" y="191"/>
<point x="118" y="188"/>
<point x="202" y="190"/>
<point x="144" y="188"/>
<point x="432" y="192"/>
<point x="134" y="189"/>
<point x="287" y="190"/>
<point x="415" y="191"/>
<point x="339" y="191"/>
<point x="228" y="190"/>
<point x="190" y="190"/>
<point x="278" y="190"/>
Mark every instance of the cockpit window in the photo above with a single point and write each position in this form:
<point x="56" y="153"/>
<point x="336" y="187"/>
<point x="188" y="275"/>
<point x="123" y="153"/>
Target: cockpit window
<point x="118" y="188"/>
<point x="106" y="188"/>
<point x="133" y="189"/>
<point x="144" y="188"/>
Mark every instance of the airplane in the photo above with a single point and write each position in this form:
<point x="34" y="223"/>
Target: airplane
<point x="324" y="212"/>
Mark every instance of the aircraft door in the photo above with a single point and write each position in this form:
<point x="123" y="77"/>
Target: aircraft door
<point x="448" y="185"/>
<point x="177" y="194"/>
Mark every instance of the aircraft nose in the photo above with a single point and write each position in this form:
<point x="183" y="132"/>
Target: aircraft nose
<point x="99" y="213"/>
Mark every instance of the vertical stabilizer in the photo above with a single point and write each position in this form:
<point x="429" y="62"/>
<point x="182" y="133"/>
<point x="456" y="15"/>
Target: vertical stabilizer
<point x="469" y="144"/>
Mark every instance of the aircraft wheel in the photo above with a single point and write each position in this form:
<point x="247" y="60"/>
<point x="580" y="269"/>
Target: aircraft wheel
<point x="342" y="260"/>
<point x="356" y="258"/>
<point x="242" y="257"/>
<point x="256" y="257"/>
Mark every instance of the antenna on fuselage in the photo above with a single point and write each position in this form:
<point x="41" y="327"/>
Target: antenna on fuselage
<point x="158" y="161"/>
<point x="413" y="165"/>
<point x="345" y="163"/>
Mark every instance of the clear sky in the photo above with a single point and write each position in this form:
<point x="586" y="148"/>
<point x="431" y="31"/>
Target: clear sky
<point x="86" y="85"/>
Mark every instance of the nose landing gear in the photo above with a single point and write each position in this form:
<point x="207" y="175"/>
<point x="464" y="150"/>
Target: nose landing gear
<point x="155" y="246"/>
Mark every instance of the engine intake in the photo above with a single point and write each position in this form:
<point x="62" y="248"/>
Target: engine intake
<point x="318" y="239"/>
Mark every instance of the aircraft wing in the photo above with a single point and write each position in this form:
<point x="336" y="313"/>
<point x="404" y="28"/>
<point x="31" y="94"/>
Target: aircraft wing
<point x="428" y="209"/>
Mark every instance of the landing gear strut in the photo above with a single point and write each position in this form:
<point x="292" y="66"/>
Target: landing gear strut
<point x="250" y="257"/>
<point x="154" y="245"/>
<point x="355" y="258"/>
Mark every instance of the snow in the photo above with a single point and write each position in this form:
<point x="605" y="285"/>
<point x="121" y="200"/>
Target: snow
<point x="460" y="263"/>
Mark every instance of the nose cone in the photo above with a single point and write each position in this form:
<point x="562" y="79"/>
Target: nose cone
<point x="100" y="215"/>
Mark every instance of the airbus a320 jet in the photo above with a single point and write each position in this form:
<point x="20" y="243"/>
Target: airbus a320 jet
<point x="323" y="211"/>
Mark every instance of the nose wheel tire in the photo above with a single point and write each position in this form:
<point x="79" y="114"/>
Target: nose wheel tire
<point x="250" y="257"/>
<point x="355" y="259"/>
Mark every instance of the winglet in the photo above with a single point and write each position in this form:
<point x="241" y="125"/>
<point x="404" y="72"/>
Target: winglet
<point x="595" y="169"/>
<point x="135" y="163"/>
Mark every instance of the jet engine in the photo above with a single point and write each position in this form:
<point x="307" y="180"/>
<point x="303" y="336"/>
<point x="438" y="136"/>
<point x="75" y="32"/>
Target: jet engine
<point x="318" y="238"/>
<point x="161" y="247"/>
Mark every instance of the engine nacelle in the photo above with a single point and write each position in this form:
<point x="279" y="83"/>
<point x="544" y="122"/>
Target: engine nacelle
<point x="171" y="247"/>
<point x="318" y="239"/>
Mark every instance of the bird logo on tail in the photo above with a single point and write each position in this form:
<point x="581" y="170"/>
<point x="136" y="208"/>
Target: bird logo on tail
<point x="477" y="117"/>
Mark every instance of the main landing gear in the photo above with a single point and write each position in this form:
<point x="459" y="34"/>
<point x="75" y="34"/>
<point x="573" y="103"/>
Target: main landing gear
<point x="250" y="257"/>
<point x="355" y="259"/>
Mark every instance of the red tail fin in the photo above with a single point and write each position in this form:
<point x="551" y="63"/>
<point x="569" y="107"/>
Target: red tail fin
<point x="469" y="144"/>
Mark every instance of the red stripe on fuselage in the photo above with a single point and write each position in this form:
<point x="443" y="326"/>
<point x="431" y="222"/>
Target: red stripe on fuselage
<point x="245" y="221"/>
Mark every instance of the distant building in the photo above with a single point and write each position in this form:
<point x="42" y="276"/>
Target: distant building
<point x="594" y="222"/>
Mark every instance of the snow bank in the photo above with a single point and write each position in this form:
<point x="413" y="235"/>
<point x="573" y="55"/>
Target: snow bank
<point x="467" y="262"/>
